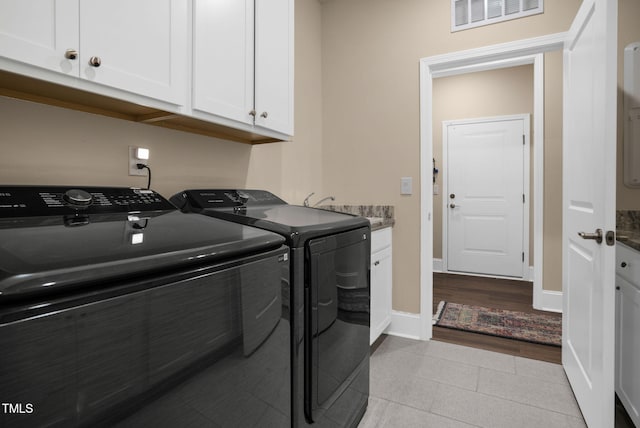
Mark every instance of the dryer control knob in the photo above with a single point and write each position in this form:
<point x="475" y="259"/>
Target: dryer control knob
<point x="78" y="197"/>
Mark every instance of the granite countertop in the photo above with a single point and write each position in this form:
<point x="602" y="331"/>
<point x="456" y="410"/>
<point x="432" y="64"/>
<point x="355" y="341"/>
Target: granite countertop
<point x="380" y="216"/>
<point x="628" y="228"/>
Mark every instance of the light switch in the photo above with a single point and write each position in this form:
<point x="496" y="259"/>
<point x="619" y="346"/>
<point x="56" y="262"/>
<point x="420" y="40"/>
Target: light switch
<point x="406" y="185"/>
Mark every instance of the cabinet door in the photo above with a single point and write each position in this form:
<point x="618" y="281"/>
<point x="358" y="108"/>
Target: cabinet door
<point x="38" y="32"/>
<point x="628" y="347"/>
<point x="141" y="45"/>
<point x="223" y="58"/>
<point x="381" y="279"/>
<point x="274" y="65"/>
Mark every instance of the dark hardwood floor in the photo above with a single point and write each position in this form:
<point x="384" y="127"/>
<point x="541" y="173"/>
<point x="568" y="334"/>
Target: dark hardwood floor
<point x="491" y="293"/>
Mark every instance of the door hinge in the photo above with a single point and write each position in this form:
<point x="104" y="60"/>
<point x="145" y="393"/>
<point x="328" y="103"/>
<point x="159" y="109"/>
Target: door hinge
<point x="523" y="139"/>
<point x="523" y="257"/>
<point x="523" y="198"/>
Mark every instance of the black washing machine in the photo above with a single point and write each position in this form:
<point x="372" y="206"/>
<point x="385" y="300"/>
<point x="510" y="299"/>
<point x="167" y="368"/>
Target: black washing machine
<point x="116" y="309"/>
<point x="330" y="256"/>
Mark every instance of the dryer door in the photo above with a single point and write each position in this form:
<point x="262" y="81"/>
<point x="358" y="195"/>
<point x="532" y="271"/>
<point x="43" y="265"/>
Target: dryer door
<point x="337" y="323"/>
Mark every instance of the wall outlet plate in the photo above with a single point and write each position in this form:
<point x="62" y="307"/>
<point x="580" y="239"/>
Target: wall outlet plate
<point x="406" y="185"/>
<point x="134" y="161"/>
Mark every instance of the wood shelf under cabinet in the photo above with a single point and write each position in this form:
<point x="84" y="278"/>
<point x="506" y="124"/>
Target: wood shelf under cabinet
<point x="39" y="91"/>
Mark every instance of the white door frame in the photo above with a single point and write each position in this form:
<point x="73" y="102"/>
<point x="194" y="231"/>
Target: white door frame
<point x="511" y="54"/>
<point x="526" y="118"/>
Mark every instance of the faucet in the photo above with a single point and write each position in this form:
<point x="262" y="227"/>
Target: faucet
<point x="331" y="198"/>
<point x="306" y="200"/>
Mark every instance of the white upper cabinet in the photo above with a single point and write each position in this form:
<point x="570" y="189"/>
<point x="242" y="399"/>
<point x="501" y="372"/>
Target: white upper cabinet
<point x="243" y="62"/>
<point x="223" y="58"/>
<point x="39" y="32"/>
<point x="274" y="65"/>
<point x="136" y="46"/>
<point x="141" y="46"/>
<point x="218" y="67"/>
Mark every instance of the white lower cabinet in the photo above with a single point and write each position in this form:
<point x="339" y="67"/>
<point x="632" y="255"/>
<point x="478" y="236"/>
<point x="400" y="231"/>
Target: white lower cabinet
<point x="628" y="330"/>
<point x="381" y="282"/>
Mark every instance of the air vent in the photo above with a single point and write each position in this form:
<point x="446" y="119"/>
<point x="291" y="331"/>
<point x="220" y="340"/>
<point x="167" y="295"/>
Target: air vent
<point x="467" y="14"/>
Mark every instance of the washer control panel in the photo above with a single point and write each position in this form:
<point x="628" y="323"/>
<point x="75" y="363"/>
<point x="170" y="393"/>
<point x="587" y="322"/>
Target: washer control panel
<point x="226" y="198"/>
<point x="28" y="201"/>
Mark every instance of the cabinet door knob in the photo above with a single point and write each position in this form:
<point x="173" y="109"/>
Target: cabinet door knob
<point x="253" y="113"/>
<point x="95" y="61"/>
<point x="376" y="263"/>
<point x="264" y="114"/>
<point x="71" y="54"/>
<point x="623" y="264"/>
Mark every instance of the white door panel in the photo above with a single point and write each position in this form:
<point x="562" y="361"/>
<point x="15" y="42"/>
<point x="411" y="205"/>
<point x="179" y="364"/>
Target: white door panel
<point x="142" y="46"/>
<point x="274" y="65"/>
<point x="39" y="32"/>
<point x="485" y="188"/>
<point x="589" y="173"/>
<point x="223" y="58"/>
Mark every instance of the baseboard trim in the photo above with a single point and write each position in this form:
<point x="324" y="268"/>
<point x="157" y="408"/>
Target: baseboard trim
<point x="404" y="324"/>
<point x="437" y="265"/>
<point x="551" y="301"/>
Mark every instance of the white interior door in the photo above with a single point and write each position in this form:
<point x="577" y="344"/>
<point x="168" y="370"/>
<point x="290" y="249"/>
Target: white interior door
<point x="589" y="189"/>
<point x="485" y="196"/>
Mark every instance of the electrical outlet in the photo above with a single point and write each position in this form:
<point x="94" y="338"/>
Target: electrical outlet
<point x="134" y="161"/>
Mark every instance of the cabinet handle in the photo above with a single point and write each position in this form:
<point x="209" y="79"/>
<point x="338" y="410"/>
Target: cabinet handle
<point x="95" y="61"/>
<point x="253" y="113"/>
<point x="264" y="114"/>
<point x="71" y="54"/>
<point x="623" y="264"/>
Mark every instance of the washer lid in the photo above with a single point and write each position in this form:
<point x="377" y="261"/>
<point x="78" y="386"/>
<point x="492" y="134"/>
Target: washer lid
<point x="52" y="253"/>
<point x="262" y="209"/>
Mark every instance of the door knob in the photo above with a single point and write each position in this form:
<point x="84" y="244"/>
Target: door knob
<point x="452" y="205"/>
<point x="252" y="113"/>
<point x="95" y="61"/>
<point x="597" y="236"/>
<point x="71" y="54"/>
<point x="264" y="114"/>
<point x="452" y="196"/>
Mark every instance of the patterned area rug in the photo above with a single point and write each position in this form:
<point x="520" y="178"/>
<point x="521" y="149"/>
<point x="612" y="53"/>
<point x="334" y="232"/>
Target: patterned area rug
<point x="535" y="328"/>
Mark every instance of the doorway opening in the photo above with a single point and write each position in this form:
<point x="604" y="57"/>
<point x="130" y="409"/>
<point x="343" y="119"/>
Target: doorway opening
<point x="506" y="55"/>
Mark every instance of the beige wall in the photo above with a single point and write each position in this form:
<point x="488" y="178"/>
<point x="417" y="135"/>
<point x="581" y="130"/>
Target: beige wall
<point x="370" y="54"/>
<point x="628" y="32"/>
<point x="49" y="145"/>
<point x="552" y="227"/>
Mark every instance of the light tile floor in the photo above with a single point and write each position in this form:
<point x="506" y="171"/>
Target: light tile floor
<point x="438" y="384"/>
